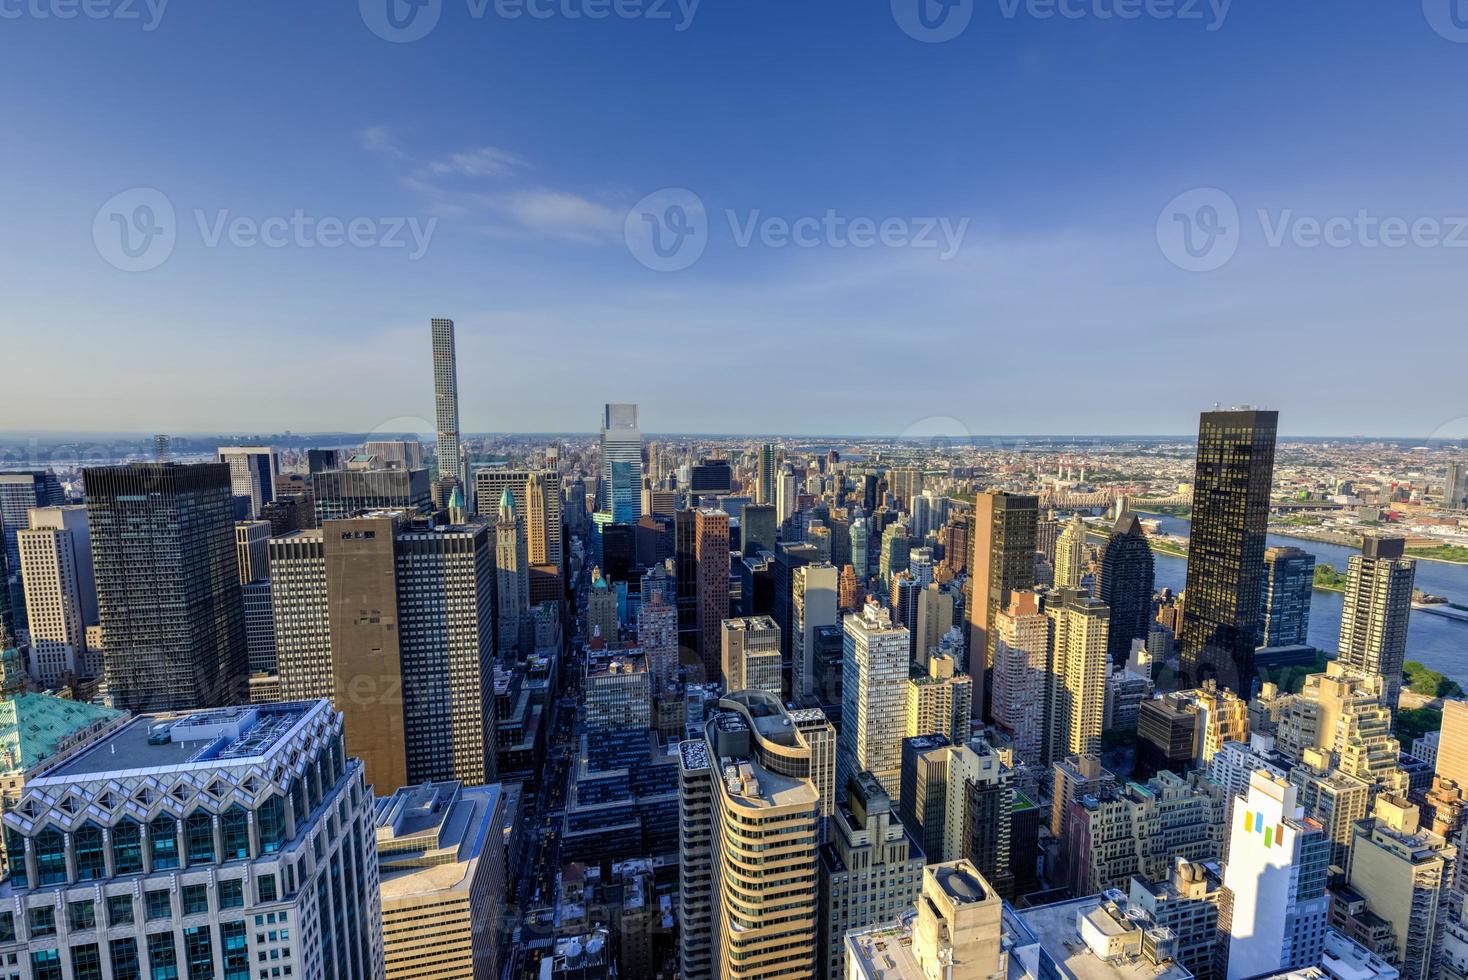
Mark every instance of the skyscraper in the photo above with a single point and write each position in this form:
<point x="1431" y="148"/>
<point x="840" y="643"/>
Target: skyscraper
<point x="537" y="496"/>
<point x="1377" y="610"/>
<point x="1022" y="677"/>
<point x="751" y="655"/>
<point x="749" y="808"/>
<point x="251" y="540"/>
<point x="1125" y="582"/>
<point x="1455" y="488"/>
<point x="1070" y="554"/>
<point x="812" y="605"/>
<point x="395" y="622"/>
<point x="252" y="473"/>
<point x="446" y="397"/>
<point x="873" y="698"/>
<point x="1231" y="486"/>
<point x="19" y="492"/>
<point x="1273" y="908"/>
<point x="339" y="494"/>
<point x="512" y="574"/>
<point x="1004" y="560"/>
<point x="711" y="564"/>
<point x="60" y="594"/>
<point x="1079" y="666"/>
<point x="195" y="829"/>
<point x="168" y="590"/>
<point x="765" y="475"/>
<point x="621" y="443"/>
<point x="1289" y="579"/>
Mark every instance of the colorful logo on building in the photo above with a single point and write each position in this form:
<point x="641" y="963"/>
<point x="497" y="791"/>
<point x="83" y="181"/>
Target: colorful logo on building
<point x="1273" y="833"/>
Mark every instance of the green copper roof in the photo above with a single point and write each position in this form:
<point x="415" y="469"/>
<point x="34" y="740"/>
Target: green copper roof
<point x="507" y="501"/>
<point x="34" y="727"/>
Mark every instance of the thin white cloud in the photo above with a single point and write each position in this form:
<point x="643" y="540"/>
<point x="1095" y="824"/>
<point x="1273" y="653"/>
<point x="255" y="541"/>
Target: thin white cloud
<point x="379" y="139"/>
<point x="560" y="214"/>
<point x="484" y="161"/>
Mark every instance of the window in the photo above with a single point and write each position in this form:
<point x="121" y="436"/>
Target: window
<point x="163" y="836"/>
<point x="234" y="831"/>
<point x="199" y="834"/>
<point x="127" y="849"/>
<point x="159" y="904"/>
<point x="265" y="888"/>
<point x="51" y="857"/>
<point x="199" y="953"/>
<point x="46" y="965"/>
<point x="81" y="915"/>
<point x="272" y="825"/>
<point x="86" y="962"/>
<point x="124" y="953"/>
<point x="195" y="899"/>
<point x="91" y="862"/>
<point x="43" y="921"/>
<point x="119" y="910"/>
<point x="7" y="927"/>
<point x="232" y="893"/>
<point x="162" y="957"/>
<point x="232" y="936"/>
<point x="15" y="847"/>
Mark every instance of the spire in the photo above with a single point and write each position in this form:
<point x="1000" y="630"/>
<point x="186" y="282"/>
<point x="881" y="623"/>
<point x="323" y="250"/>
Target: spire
<point x="507" y="503"/>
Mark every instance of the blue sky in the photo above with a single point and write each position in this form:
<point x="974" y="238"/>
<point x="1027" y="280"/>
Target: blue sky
<point x="1055" y="143"/>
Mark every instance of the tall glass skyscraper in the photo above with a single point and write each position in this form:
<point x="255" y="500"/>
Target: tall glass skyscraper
<point x="1231" y="487"/>
<point x="1125" y="581"/>
<point x="621" y="443"/>
<point x="1289" y="579"/>
<point x="446" y="398"/>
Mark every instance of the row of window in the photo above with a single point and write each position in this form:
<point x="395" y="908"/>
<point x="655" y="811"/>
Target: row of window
<point x="81" y="915"/>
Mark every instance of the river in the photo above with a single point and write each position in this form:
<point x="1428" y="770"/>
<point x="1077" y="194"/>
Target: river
<point x="1436" y="641"/>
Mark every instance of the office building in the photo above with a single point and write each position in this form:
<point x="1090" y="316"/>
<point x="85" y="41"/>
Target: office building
<point x="623" y="799"/>
<point x="537" y="496"/>
<point x="1455" y="486"/>
<point x="860" y="535"/>
<point x="812" y="606"/>
<point x="1378" y="606"/>
<point x="253" y="471"/>
<point x="934" y="618"/>
<point x="870" y="872"/>
<point x="873" y="698"/>
<point x="1071" y="554"/>
<point x="446" y="397"/>
<point x="339" y="494"/>
<point x="1125" y="579"/>
<point x="1101" y="937"/>
<point x="1185" y="903"/>
<point x="980" y="806"/>
<point x="512" y="581"/>
<point x="168" y="591"/>
<point x="621" y="464"/>
<point x="923" y="804"/>
<point x="1231" y="485"/>
<point x="894" y="552"/>
<point x="251" y="550"/>
<point x="938" y="700"/>
<point x="617" y="691"/>
<point x="1184" y="730"/>
<point x="1022" y="676"/>
<point x="1452" y="749"/>
<point x="757" y="528"/>
<point x="259" y="616"/>
<point x="393" y="620"/>
<point x="441" y="860"/>
<point x="748" y="825"/>
<point x="1333" y="799"/>
<point x="1272" y="913"/>
<point x="1079" y="666"/>
<point x="961" y="930"/>
<point x="1284" y="614"/>
<point x="208" y="845"/>
<point x="20" y="491"/>
<point x="1003" y="560"/>
<point x="395" y="454"/>
<point x="60" y="594"/>
<point x="765" y="470"/>
<point x="751" y="655"/>
<point x="1405" y="874"/>
<point x="711" y="581"/>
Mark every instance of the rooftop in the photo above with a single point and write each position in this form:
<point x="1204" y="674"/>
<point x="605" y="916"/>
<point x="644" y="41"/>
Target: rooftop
<point x="1058" y="928"/>
<point x="205" y="739"/>
<point x="430" y="836"/>
<point x="35" y="727"/>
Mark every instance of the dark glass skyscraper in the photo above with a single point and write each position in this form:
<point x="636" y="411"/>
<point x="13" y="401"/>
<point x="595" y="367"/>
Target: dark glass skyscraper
<point x="1226" y="552"/>
<point x="19" y="492"/>
<point x="1284" y="599"/>
<point x="1125" y="582"/>
<point x="168" y="590"/>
